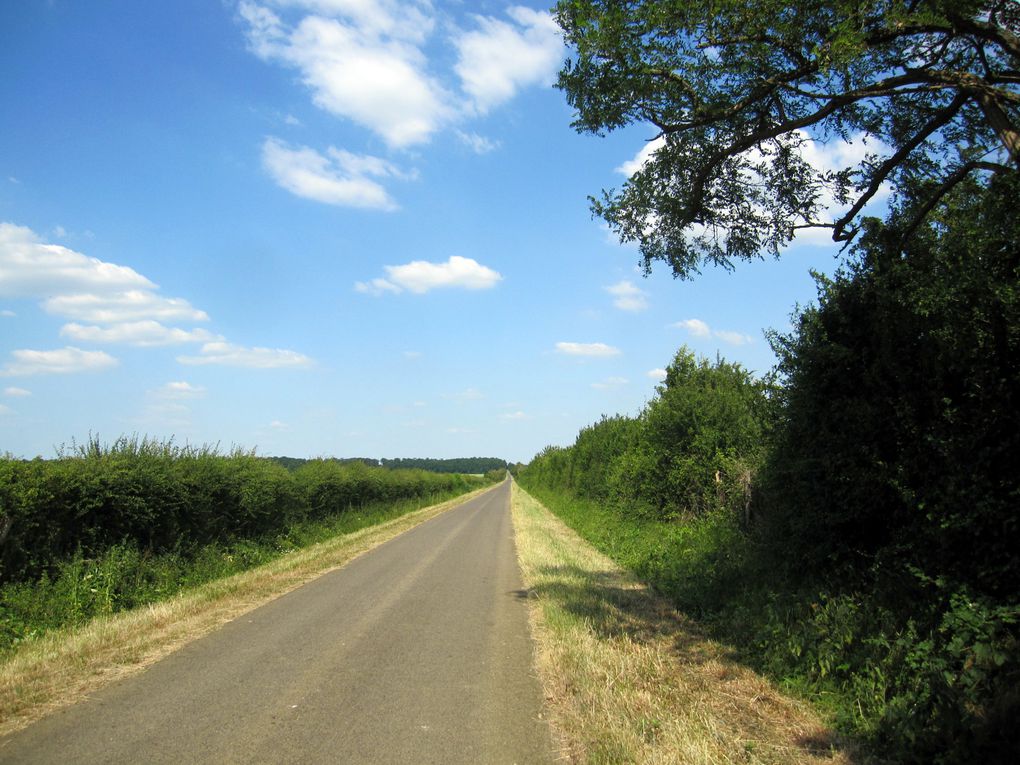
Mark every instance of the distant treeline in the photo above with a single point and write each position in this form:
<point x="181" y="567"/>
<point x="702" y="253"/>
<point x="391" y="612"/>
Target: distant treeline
<point x="466" y="465"/>
<point x="161" y="498"/>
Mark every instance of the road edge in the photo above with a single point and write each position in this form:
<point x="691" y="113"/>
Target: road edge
<point x="67" y="665"/>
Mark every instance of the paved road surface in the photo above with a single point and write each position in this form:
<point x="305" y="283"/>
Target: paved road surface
<point x="417" y="652"/>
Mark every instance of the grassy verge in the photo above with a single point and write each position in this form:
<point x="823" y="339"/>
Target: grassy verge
<point x="123" y="577"/>
<point x="629" y="679"/>
<point x="62" y="666"/>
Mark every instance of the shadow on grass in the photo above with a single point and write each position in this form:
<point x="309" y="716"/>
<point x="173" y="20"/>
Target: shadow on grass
<point x="614" y="606"/>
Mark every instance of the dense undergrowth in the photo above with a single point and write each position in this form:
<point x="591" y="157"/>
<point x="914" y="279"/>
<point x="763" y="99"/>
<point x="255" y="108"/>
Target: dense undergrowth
<point x="104" y="529"/>
<point x="849" y="524"/>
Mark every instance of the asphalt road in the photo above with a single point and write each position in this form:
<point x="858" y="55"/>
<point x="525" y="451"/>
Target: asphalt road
<point x="416" y="652"/>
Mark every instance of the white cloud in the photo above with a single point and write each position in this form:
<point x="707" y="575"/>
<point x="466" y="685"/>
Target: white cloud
<point x="421" y="276"/>
<point x="733" y="338"/>
<point x="145" y="333"/>
<point x="698" y="328"/>
<point x="499" y="58"/>
<point x="627" y="296"/>
<point x="17" y="392"/>
<point x="131" y="305"/>
<point x="596" y="350"/>
<point x="342" y="178"/>
<point x="402" y="19"/>
<point x="7" y="313"/>
<point x="365" y="61"/>
<point x="361" y="61"/>
<point x="178" y="390"/>
<point x="66" y="360"/>
<point x="376" y="287"/>
<point x="278" y="425"/>
<point x="656" y="374"/>
<point x="834" y="156"/>
<point x="31" y="268"/>
<point x="4" y="410"/>
<point x="228" y="354"/>
<point x="413" y="355"/>
<point x="477" y="143"/>
<point x="642" y="157"/>
<point x="610" y="383"/>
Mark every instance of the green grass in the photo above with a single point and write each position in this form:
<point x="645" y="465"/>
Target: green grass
<point x="125" y="577"/>
<point x="925" y="677"/>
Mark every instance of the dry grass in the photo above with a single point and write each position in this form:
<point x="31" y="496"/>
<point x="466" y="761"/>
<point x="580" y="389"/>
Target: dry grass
<point x="628" y="679"/>
<point x="65" y="666"/>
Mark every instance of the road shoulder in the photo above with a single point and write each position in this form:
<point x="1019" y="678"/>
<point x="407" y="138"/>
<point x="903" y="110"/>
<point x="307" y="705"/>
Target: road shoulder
<point x="627" y="678"/>
<point x="64" y="667"/>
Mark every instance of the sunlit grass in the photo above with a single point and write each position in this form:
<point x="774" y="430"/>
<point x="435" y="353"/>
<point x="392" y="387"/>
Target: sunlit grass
<point x="629" y="679"/>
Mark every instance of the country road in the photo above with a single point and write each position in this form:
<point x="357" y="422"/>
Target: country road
<point x="416" y="652"/>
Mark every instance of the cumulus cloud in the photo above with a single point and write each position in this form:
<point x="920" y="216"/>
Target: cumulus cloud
<point x="656" y="374"/>
<point x="698" y="328"/>
<point x="5" y="410"/>
<point x="627" y="296"/>
<point x="131" y="305"/>
<point x="31" y="268"/>
<point x="421" y="276"/>
<point x="228" y="354"/>
<point x="17" y="392"/>
<point x="66" y="360"/>
<point x="146" y="333"/>
<point x="110" y="303"/>
<point x="630" y="167"/>
<point x="498" y="58"/>
<point x="336" y="178"/>
<point x="366" y="61"/>
<point x="361" y="61"/>
<point x="178" y="389"/>
<point x="595" y="350"/>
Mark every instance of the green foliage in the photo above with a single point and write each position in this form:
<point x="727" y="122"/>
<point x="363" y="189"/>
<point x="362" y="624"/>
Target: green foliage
<point x="273" y="510"/>
<point x="468" y="465"/>
<point x="901" y="408"/>
<point x="732" y="88"/>
<point x="160" y="499"/>
<point x="693" y="448"/>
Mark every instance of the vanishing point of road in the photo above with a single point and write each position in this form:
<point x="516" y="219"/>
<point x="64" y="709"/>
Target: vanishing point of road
<point x="416" y="652"/>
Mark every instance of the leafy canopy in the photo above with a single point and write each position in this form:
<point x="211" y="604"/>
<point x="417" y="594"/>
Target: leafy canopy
<point x="737" y="88"/>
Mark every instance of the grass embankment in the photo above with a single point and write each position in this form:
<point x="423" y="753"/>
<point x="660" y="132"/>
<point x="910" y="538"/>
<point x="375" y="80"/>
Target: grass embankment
<point x="62" y="666"/>
<point x="629" y="679"/>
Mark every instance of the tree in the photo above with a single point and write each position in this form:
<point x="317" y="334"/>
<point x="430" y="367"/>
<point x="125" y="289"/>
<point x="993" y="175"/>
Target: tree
<point x="900" y="417"/>
<point x="736" y="89"/>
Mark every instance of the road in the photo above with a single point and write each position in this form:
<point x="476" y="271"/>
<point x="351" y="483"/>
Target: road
<point x="416" y="652"/>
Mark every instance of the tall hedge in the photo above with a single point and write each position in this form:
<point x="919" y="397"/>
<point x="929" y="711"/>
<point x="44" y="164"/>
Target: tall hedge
<point x="161" y="498"/>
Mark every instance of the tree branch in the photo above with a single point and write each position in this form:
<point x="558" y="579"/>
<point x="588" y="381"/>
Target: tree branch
<point x="942" y="118"/>
<point x="947" y="185"/>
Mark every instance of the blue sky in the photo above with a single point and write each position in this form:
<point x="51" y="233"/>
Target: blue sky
<point x="328" y="227"/>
